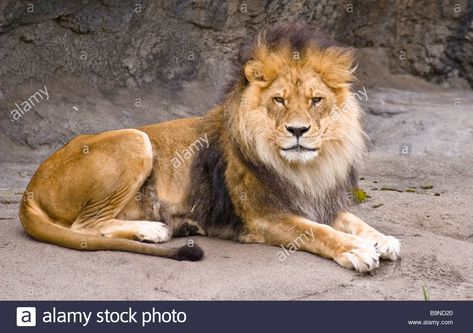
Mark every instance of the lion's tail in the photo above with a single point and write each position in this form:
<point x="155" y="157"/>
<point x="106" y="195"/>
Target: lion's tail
<point x="41" y="227"/>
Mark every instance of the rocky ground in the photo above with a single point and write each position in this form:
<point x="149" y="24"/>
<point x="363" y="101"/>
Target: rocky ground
<point x="418" y="176"/>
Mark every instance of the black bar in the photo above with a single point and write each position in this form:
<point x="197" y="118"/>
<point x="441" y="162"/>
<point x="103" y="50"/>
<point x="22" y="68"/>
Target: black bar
<point x="244" y="316"/>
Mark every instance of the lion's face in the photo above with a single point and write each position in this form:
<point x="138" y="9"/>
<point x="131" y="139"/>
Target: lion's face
<point x="297" y="107"/>
<point x="298" y="116"/>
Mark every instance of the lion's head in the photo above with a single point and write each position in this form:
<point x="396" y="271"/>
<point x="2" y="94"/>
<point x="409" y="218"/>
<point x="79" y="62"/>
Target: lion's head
<point x="295" y="112"/>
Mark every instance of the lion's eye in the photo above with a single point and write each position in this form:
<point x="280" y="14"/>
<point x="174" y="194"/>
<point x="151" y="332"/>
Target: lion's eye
<point x="315" y="100"/>
<point x="278" y="100"/>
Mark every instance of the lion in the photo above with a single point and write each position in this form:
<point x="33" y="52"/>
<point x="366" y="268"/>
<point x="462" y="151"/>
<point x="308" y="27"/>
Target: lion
<point x="270" y="164"/>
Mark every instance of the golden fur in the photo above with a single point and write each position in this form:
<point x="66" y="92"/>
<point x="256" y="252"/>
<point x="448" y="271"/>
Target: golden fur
<point x="272" y="162"/>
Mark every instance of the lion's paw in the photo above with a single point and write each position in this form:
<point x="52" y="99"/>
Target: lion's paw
<point x="389" y="247"/>
<point x="362" y="257"/>
<point x="155" y="232"/>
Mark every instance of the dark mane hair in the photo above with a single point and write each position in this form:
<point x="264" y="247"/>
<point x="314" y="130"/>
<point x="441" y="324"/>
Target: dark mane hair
<point x="298" y="35"/>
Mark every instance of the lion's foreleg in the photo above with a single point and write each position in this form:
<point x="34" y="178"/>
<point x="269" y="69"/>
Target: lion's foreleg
<point x="297" y="233"/>
<point x="388" y="246"/>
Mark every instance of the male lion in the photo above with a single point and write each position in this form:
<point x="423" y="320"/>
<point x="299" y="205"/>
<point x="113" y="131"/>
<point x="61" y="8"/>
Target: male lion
<point x="273" y="162"/>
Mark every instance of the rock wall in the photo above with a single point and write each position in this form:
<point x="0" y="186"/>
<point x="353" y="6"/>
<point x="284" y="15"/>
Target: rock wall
<point x="177" y="55"/>
<point x="134" y="42"/>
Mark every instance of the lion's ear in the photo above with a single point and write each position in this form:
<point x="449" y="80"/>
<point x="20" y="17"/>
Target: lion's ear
<point x="254" y="71"/>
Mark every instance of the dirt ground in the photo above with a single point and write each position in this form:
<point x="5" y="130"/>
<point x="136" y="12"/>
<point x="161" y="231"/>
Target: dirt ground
<point x="420" y="142"/>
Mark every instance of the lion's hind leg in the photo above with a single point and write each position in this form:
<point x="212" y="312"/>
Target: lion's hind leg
<point x="116" y="180"/>
<point x="388" y="246"/>
<point x="82" y="189"/>
<point x="144" y="231"/>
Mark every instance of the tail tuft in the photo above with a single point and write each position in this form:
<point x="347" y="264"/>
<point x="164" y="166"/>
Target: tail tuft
<point x="190" y="253"/>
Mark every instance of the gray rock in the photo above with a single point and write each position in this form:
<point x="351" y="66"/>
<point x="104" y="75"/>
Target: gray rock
<point x="50" y="38"/>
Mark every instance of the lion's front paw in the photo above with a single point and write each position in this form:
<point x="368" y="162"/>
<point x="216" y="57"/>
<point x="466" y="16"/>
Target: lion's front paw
<point x="155" y="232"/>
<point x="388" y="247"/>
<point x="361" y="256"/>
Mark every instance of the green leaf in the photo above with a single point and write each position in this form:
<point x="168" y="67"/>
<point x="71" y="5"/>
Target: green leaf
<point x="426" y="295"/>
<point x="359" y="195"/>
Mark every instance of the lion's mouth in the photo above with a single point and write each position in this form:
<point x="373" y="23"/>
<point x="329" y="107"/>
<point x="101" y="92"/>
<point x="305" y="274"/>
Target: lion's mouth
<point x="299" y="148"/>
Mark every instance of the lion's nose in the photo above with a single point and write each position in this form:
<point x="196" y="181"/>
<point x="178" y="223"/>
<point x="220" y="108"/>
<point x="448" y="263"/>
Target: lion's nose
<point x="297" y="131"/>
